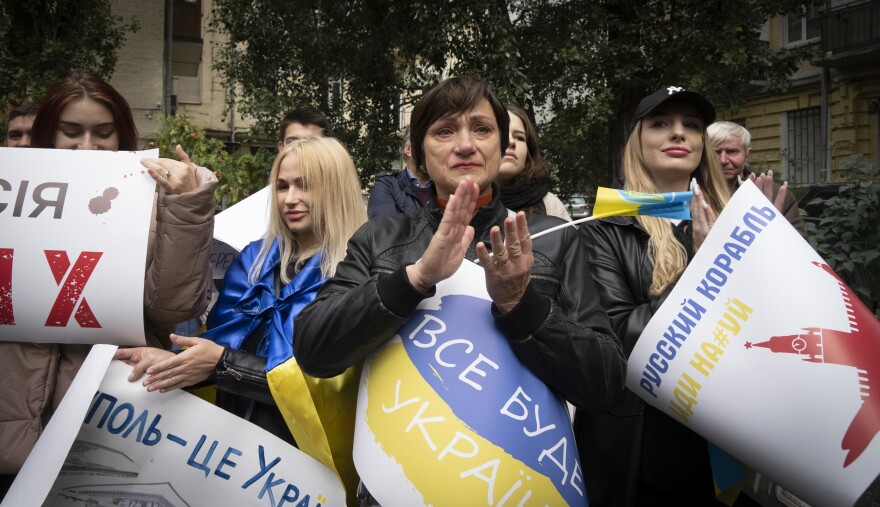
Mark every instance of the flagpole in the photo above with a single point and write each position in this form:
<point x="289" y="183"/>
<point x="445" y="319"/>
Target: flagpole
<point x="573" y="222"/>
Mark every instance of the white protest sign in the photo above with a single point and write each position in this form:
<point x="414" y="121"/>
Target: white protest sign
<point x="222" y="256"/>
<point x="763" y="351"/>
<point x="72" y="255"/>
<point x="236" y="227"/>
<point x="245" y="221"/>
<point x="135" y="447"/>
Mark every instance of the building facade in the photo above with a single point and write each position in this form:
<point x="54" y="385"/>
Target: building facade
<point x="166" y="67"/>
<point x="832" y="108"/>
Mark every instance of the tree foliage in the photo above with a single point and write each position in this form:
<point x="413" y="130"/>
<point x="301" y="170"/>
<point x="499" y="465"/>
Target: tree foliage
<point x="43" y="40"/>
<point x="381" y="54"/>
<point x="580" y="66"/>
<point x="847" y="233"/>
<point x="239" y="174"/>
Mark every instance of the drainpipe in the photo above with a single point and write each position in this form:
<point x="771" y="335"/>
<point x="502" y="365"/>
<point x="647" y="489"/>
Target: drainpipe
<point x="167" y="82"/>
<point x="232" y="103"/>
<point x="826" y="122"/>
<point x="826" y="110"/>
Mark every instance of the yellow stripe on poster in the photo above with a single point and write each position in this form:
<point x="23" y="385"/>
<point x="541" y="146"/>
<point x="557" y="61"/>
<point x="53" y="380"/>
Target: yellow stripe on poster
<point x="445" y="461"/>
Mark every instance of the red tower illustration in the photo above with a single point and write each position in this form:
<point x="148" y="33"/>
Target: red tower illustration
<point x="858" y="347"/>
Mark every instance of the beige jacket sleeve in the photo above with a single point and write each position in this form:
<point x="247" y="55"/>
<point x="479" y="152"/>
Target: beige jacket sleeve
<point x="555" y="207"/>
<point x="178" y="273"/>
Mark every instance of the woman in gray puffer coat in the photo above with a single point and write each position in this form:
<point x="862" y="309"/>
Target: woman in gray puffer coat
<point x="82" y="111"/>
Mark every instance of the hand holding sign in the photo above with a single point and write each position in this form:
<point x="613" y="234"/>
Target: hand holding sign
<point x="176" y="177"/>
<point x="190" y="367"/>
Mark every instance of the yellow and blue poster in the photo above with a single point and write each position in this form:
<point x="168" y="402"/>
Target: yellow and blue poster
<point x="764" y="350"/>
<point x="447" y="415"/>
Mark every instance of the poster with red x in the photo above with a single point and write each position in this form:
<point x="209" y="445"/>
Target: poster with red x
<point x="73" y="248"/>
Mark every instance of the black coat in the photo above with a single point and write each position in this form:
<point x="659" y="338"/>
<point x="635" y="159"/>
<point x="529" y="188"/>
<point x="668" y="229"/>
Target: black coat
<point x="633" y="454"/>
<point x="558" y="330"/>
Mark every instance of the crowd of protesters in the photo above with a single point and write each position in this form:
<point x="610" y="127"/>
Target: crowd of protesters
<point x="474" y="187"/>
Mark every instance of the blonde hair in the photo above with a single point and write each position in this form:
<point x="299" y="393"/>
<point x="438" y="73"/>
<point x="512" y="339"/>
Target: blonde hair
<point x="668" y="256"/>
<point x="337" y="209"/>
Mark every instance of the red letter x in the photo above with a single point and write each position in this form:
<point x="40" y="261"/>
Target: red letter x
<point x="7" y="316"/>
<point x="72" y="288"/>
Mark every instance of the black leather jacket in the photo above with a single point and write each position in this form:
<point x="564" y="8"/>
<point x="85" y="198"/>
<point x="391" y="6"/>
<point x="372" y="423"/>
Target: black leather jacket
<point x="558" y="330"/>
<point x="242" y="389"/>
<point x="633" y="454"/>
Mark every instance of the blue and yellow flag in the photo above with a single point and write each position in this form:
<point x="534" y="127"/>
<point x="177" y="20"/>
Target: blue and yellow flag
<point x="611" y="202"/>
<point x="319" y="412"/>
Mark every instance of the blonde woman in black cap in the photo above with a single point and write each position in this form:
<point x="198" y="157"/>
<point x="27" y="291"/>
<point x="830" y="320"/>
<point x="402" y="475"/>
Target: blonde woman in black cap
<point x="634" y="454"/>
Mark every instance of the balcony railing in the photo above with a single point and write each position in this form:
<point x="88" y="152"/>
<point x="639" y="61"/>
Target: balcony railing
<point x="853" y="26"/>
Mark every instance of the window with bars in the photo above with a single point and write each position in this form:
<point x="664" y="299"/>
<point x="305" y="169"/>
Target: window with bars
<point x="804" y="157"/>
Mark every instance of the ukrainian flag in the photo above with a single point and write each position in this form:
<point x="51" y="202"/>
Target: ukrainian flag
<point x="320" y="414"/>
<point x="611" y="202"/>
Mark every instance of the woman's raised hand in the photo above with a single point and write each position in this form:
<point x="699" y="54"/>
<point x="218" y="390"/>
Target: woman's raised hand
<point x="175" y="176"/>
<point x="764" y="182"/>
<point x="450" y="243"/>
<point x="508" y="269"/>
<point x="702" y="216"/>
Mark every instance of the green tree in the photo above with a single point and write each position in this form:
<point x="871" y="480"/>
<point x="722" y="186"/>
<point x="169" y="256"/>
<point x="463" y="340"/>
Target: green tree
<point x="847" y="232"/>
<point x="580" y="66"/>
<point x="43" y="40"/>
<point x="592" y="62"/>
<point x="381" y="55"/>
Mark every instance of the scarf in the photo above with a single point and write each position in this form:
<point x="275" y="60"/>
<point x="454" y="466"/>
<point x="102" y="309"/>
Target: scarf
<point x="320" y="413"/>
<point x="519" y="196"/>
<point x="243" y="309"/>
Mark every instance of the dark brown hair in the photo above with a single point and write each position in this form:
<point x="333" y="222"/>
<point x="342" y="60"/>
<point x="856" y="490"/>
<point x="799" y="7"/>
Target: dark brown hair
<point x="536" y="167"/>
<point x="75" y="86"/>
<point x="452" y="97"/>
<point x="305" y="116"/>
<point x="25" y="109"/>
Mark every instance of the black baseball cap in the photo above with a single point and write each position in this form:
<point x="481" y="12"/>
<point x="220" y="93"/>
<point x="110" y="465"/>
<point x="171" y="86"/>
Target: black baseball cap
<point x="649" y="103"/>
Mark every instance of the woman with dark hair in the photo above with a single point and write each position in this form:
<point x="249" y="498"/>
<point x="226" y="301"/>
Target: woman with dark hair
<point x="543" y="298"/>
<point x="82" y="111"/>
<point x="634" y="454"/>
<point x="524" y="174"/>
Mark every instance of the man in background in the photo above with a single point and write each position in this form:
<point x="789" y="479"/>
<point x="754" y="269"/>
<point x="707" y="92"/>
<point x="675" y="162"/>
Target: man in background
<point x="302" y="123"/>
<point x="399" y="192"/>
<point x="733" y="145"/>
<point x="19" y="125"/>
